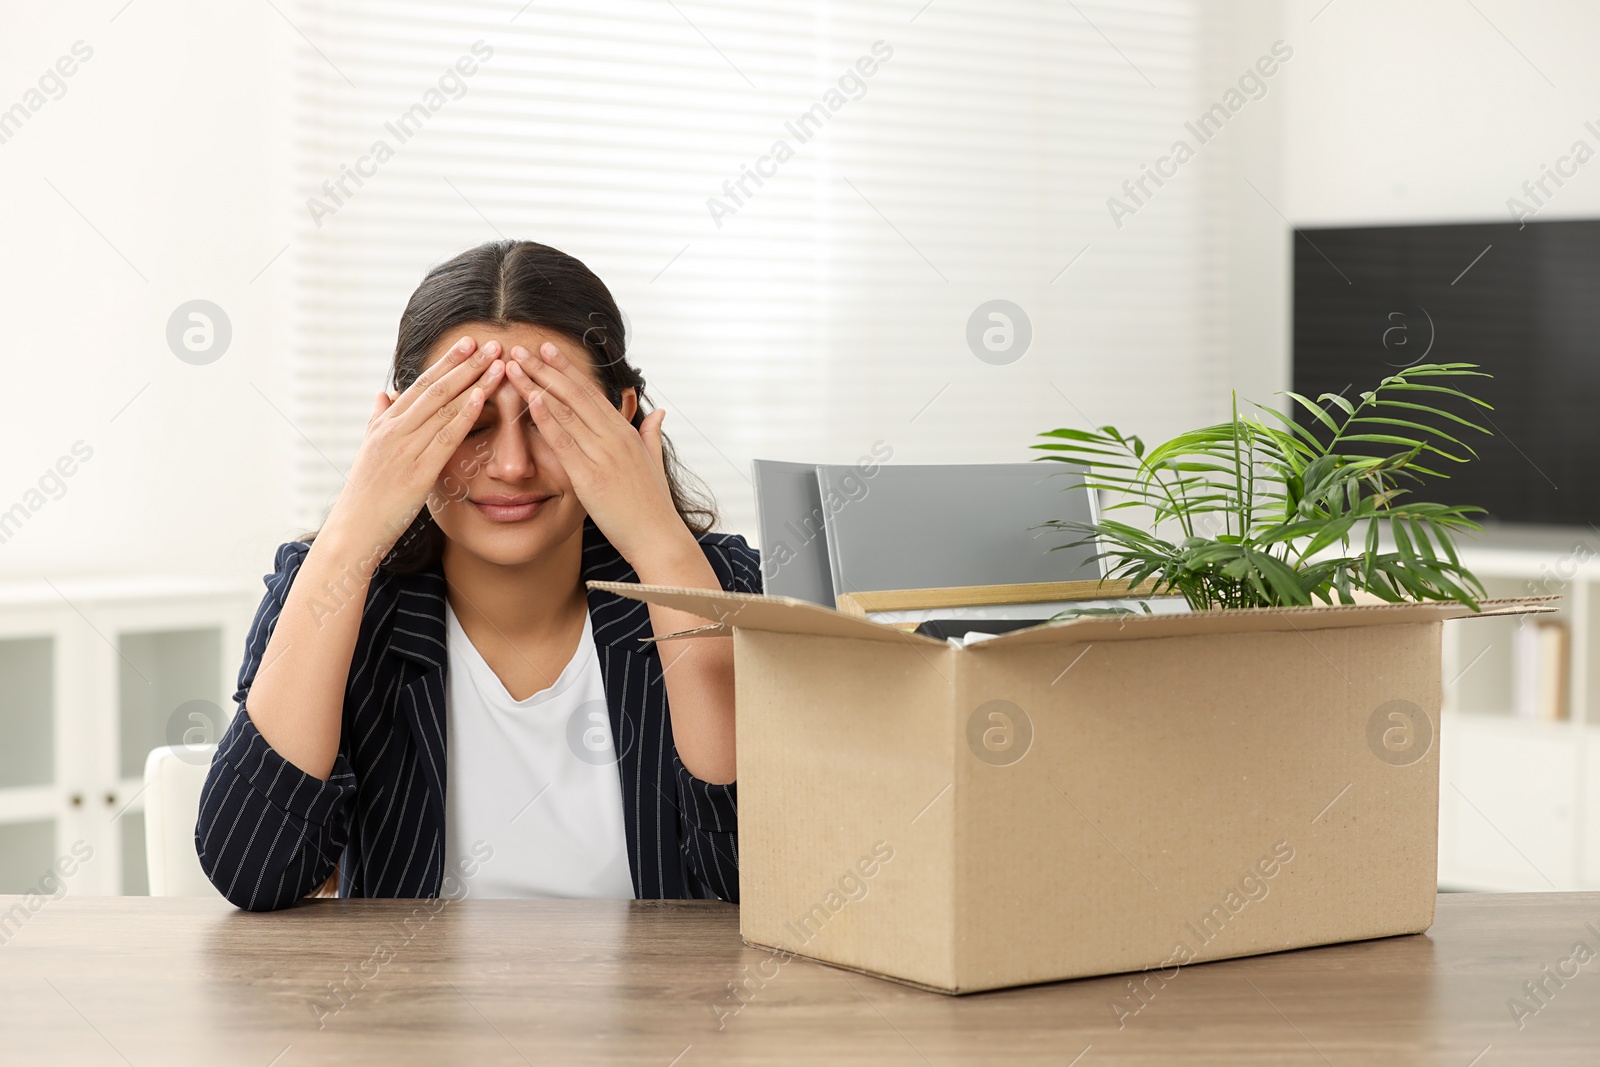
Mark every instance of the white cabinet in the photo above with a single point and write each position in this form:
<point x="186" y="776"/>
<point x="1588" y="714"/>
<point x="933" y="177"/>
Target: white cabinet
<point x="93" y="674"/>
<point x="1511" y="791"/>
<point x="1589" y="808"/>
<point x="1519" y="803"/>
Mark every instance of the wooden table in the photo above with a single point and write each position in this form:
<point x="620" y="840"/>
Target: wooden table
<point x="141" y="981"/>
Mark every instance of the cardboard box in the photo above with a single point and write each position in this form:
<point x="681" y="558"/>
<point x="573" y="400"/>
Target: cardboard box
<point x="1097" y="796"/>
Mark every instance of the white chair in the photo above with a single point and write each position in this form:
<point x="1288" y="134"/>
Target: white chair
<point x="173" y="779"/>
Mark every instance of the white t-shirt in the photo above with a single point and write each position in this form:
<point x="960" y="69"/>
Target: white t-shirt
<point x="536" y="779"/>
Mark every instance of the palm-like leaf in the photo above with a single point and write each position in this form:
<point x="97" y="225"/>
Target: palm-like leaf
<point x="1268" y="507"/>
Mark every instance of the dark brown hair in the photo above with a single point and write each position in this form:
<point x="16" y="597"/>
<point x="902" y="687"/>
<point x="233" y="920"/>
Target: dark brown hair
<point x="506" y="283"/>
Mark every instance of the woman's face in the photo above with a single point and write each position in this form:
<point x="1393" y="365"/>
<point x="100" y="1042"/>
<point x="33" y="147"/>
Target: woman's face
<point x="504" y="495"/>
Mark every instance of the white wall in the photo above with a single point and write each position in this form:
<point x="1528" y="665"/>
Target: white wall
<point x="175" y="142"/>
<point x="1248" y="285"/>
<point x="1438" y="110"/>
<point x="171" y="142"/>
<point x="1388" y="113"/>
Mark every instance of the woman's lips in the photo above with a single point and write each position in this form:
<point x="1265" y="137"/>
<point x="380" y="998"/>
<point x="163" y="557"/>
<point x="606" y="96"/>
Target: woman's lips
<point x="499" y="509"/>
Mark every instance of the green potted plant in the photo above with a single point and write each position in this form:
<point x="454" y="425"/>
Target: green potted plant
<point x="1272" y="513"/>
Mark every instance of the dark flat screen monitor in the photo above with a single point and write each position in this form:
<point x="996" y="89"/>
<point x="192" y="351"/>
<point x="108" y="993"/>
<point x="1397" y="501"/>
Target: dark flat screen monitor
<point x="1523" y="301"/>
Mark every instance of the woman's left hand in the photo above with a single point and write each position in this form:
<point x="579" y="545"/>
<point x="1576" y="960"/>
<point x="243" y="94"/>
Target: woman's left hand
<point x="619" y="476"/>
<point x="617" y="471"/>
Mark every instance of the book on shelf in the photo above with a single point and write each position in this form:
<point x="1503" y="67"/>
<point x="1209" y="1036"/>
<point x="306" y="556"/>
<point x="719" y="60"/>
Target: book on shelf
<point x="1539" y="658"/>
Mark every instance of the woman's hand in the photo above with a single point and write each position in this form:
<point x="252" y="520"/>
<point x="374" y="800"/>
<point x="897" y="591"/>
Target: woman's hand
<point x="408" y="441"/>
<point x="296" y="698"/>
<point x="619" y="476"/>
<point x="617" y="471"/>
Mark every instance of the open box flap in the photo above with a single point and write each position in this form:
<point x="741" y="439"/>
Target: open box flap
<point x="755" y="611"/>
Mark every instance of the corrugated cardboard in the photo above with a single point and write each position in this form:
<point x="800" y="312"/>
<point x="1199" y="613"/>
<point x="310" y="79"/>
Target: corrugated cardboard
<point x="1156" y="790"/>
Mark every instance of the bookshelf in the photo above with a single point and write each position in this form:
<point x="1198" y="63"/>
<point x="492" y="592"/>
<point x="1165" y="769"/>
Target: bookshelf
<point x="1519" y="797"/>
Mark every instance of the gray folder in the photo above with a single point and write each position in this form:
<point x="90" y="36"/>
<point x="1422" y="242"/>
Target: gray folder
<point x="794" y="547"/>
<point x="938" y="525"/>
<point x="830" y="528"/>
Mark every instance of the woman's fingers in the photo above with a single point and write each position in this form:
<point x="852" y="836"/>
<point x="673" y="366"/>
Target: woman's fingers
<point x="556" y="429"/>
<point x="577" y="389"/>
<point x="443" y="425"/>
<point x="463" y="413"/>
<point x="563" y="413"/>
<point x="380" y="404"/>
<point x="564" y="422"/>
<point x="554" y="372"/>
<point x="553" y="419"/>
<point x="650" y="433"/>
<point x="459" y="352"/>
<point x="524" y="385"/>
<point x="431" y="406"/>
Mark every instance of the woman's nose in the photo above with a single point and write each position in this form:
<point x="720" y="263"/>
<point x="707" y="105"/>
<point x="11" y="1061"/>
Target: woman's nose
<point x="512" y="458"/>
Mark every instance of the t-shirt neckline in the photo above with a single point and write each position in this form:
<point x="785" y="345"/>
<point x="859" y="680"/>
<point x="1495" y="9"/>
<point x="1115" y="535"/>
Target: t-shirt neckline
<point x="488" y="682"/>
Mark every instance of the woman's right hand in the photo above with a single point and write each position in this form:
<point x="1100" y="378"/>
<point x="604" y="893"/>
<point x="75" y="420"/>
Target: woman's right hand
<point x="296" y="688"/>
<point x="408" y="441"/>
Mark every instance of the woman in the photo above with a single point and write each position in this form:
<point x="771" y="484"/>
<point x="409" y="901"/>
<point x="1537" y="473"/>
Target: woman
<point x="467" y="716"/>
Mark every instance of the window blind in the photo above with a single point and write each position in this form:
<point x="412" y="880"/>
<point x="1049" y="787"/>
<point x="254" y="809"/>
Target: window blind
<point x="805" y="316"/>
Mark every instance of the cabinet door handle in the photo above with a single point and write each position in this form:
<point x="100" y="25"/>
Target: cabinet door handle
<point x="111" y="798"/>
<point x="76" y="800"/>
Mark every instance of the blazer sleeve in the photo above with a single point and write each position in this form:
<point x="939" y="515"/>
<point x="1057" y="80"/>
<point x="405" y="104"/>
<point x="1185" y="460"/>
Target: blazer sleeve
<point x="268" y="833"/>
<point x="711" y="812"/>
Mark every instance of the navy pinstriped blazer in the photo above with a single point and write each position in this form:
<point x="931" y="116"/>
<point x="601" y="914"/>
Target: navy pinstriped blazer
<point x="268" y="833"/>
